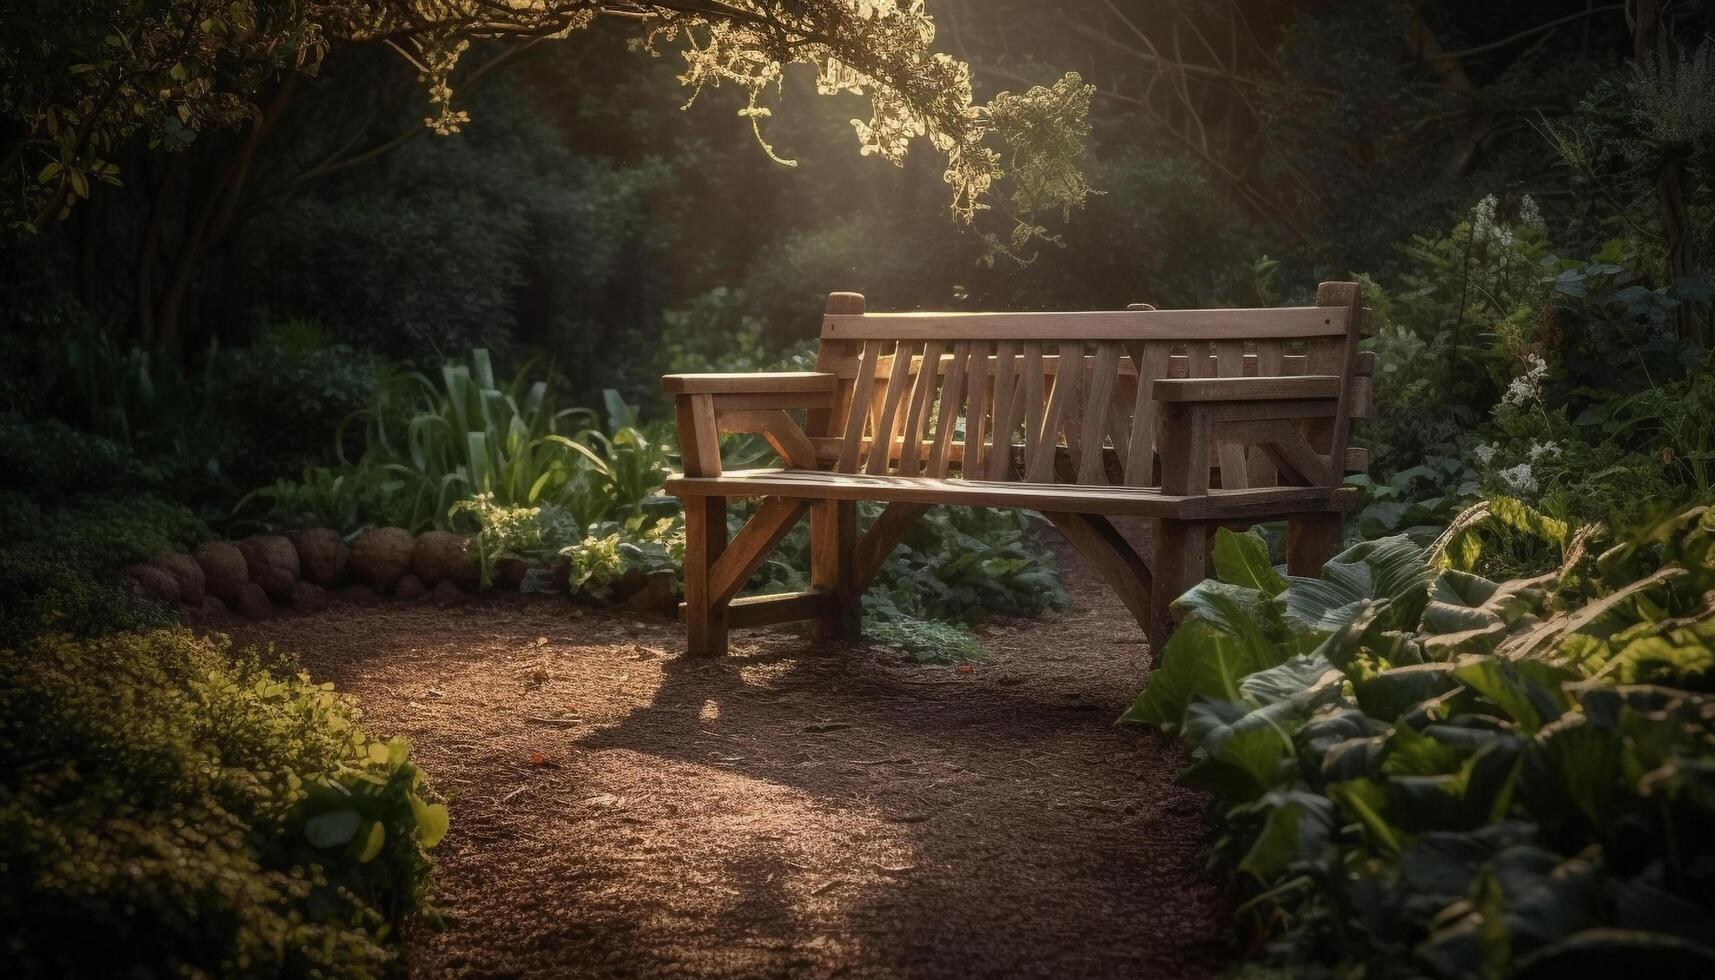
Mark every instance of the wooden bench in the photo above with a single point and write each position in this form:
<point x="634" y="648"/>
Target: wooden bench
<point x="1193" y="419"/>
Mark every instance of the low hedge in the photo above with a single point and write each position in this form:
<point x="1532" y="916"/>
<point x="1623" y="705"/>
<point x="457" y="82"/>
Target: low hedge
<point x="171" y="807"/>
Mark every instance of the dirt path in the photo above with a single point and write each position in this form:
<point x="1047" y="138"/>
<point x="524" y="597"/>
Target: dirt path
<point x="792" y="810"/>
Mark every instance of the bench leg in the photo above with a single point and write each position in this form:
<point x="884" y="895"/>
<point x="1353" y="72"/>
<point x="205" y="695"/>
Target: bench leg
<point x="1181" y="561"/>
<point x="705" y="539"/>
<point x="1311" y="540"/>
<point x="833" y="567"/>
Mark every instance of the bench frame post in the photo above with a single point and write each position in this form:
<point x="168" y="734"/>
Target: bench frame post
<point x="833" y="567"/>
<point x="705" y="542"/>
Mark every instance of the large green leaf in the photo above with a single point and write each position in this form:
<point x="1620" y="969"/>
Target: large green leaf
<point x="1299" y="829"/>
<point x="1244" y="751"/>
<point x="1585" y="763"/>
<point x="1202" y="659"/>
<point x="1392" y="693"/>
<point x="1221" y="603"/>
<point x="1529" y="691"/>
<point x="1242" y="559"/>
<point x="1308" y="680"/>
<point x="1386" y="568"/>
<point x="333" y="829"/>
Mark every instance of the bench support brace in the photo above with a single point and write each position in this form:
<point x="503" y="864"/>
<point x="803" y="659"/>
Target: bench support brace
<point x="1113" y="557"/>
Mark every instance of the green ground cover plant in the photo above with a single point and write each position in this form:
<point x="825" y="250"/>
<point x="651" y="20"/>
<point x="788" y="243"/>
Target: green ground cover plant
<point x="1426" y="772"/>
<point x="170" y="805"/>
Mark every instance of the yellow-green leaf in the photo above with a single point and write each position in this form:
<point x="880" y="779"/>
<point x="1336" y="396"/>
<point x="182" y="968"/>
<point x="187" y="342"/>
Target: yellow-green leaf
<point x="373" y="842"/>
<point x="432" y="820"/>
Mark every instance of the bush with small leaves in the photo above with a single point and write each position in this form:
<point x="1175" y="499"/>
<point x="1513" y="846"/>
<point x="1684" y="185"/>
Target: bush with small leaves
<point x="202" y="812"/>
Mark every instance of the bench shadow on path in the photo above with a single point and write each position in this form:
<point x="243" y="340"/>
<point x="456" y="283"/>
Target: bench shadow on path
<point x="1028" y="813"/>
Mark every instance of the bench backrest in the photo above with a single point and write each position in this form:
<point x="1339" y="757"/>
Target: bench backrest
<point x="1065" y="397"/>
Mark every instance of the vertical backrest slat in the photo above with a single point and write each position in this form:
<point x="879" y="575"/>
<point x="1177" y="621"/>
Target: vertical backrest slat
<point x="1005" y="423"/>
<point x="1104" y="378"/>
<point x="1040" y="468"/>
<point x="887" y="420"/>
<point x="947" y="414"/>
<point x="1230" y="363"/>
<point x="857" y="414"/>
<point x="976" y="405"/>
<point x="1153" y="359"/>
<point x="917" y="411"/>
<point x="1030" y="389"/>
<point x="1073" y="359"/>
<point x="1270" y="363"/>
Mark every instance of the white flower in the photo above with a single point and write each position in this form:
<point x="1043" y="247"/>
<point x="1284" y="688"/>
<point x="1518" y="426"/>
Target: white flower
<point x="1540" y="450"/>
<point x="1519" y="479"/>
<point x="1529" y="214"/>
<point x="1527" y="386"/>
<point x="1483" y="219"/>
<point x="1483" y="454"/>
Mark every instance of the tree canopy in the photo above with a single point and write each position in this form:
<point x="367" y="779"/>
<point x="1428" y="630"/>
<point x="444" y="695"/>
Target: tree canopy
<point x="87" y="79"/>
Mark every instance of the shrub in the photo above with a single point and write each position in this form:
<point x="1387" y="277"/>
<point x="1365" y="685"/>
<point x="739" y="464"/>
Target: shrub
<point x="282" y="396"/>
<point x="960" y="564"/>
<point x="100" y="534"/>
<point x="200" y="814"/>
<point x="48" y="459"/>
<point x="1426" y="772"/>
<point x="1503" y="369"/>
<point x="56" y="571"/>
<point x="40" y="593"/>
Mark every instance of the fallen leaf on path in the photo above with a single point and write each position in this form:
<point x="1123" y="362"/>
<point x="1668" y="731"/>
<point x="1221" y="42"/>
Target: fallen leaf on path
<point x="541" y="759"/>
<point x="965" y="668"/>
<point x="604" y="800"/>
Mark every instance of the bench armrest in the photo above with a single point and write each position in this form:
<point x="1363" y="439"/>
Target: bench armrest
<point x="710" y="404"/>
<point x="1201" y="417"/>
<point x="749" y="383"/>
<point x="1304" y="387"/>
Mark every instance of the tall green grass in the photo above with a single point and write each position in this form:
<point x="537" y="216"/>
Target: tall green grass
<point x="426" y="443"/>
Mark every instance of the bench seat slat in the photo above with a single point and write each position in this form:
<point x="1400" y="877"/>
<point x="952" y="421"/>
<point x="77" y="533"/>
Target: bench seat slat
<point x="1065" y="498"/>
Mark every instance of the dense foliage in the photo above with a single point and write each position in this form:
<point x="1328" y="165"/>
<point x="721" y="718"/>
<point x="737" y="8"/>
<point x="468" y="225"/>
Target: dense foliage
<point x="1427" y="772"/>
<point x="171" y="807"/>
<point x="241" y="270"/>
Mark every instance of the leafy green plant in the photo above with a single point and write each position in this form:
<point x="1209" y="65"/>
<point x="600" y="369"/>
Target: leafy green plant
<point x="1427" y="772"/>
<point x="962" y="564"/>
<point x="420" y="448"/>
<point x="624" y="551"/>
<point x="346" y="498"/>
<point x="525" y="534"/>
<point x="204" y="812"/>
<point x="925" y="640"/>
<point x="467" y="435"/>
